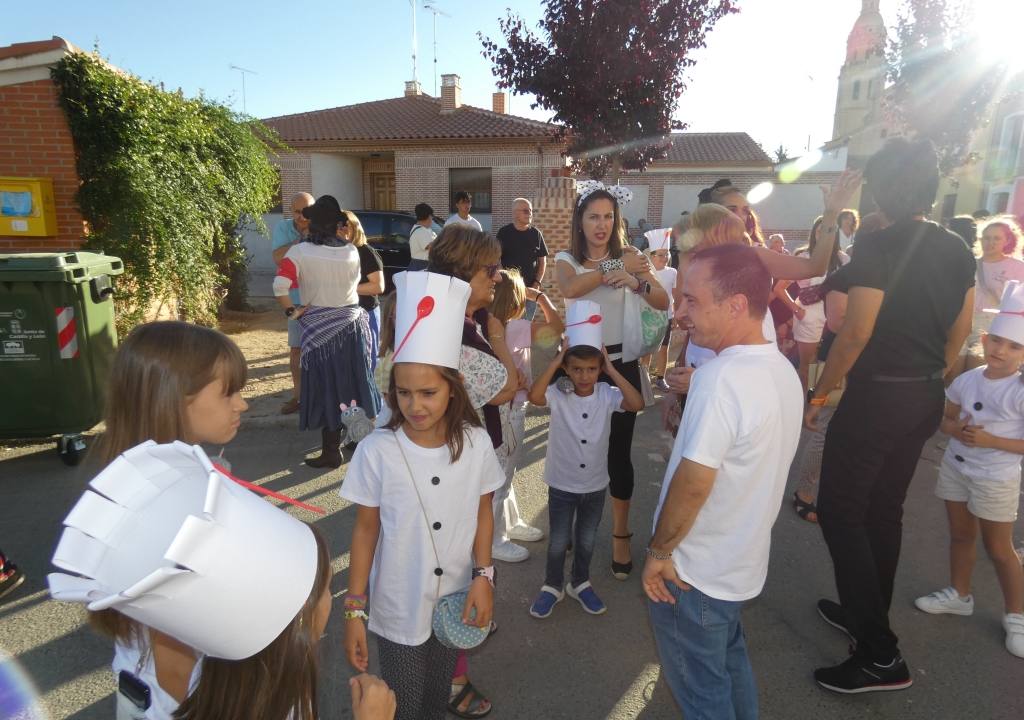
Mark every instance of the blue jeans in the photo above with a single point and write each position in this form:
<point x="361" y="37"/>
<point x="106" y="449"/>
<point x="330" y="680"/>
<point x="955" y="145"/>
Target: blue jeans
<point x="562" y="508"/>
<point x="704" y="656"/>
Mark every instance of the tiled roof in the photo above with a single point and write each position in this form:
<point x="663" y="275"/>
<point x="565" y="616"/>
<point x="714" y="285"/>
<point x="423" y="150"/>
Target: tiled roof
<point x="727" y="148"/>
<point x="405" y="118"/>
<point x="36" y="46"/>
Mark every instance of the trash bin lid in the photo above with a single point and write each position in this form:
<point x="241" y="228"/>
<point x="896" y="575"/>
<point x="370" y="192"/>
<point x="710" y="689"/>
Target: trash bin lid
<point x="69" y="267"/>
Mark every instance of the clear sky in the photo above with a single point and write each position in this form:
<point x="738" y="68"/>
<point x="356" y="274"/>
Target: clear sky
<point x="769" y="70"/>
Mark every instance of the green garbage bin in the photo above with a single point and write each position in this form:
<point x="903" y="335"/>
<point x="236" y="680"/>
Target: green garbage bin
<point x="58" y="340"/>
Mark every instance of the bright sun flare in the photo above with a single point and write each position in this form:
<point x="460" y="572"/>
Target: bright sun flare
<point x="1000" y="24"/>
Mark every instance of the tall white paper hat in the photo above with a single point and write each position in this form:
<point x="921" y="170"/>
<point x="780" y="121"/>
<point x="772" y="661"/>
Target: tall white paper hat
<point x="659" y="239"/>
<point x="165" y="539"/>
<point x="583" y="324"/>
<point x="429" y="316"/>
<point x="1009" y="322"/>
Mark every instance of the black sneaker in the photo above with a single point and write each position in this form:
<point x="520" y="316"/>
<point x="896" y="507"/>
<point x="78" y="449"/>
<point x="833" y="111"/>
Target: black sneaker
<point x="10" y="578"/>
<point x="833" y="614"/>
<point x="857" y="675"/>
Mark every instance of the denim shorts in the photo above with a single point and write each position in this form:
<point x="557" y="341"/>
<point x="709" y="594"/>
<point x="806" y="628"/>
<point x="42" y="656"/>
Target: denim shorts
<point x="294" y="333"/>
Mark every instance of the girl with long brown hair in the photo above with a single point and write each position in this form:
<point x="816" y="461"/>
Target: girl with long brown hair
<point x="171" y="381"/>
<point x="422" y="487"/>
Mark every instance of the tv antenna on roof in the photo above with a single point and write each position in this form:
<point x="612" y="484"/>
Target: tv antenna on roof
<point x="435" y="11"/>
<point x="243" y="71"/>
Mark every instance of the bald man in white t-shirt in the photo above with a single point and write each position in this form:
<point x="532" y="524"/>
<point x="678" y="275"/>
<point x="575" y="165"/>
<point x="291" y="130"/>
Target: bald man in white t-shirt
<point x="723" y="487"/>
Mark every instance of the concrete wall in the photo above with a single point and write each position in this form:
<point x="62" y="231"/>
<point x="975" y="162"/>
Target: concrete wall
<point x="337" y="175"/>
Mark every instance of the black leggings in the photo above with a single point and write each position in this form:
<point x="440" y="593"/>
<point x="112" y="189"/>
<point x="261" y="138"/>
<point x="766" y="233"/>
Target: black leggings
<point x="620" y="441"/>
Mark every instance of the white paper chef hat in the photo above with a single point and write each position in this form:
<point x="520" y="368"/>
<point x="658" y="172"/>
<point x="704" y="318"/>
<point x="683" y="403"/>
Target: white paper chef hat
<point x="659" y="239"/>
<point x="583" y="324"/>
<point x="429" y="316"/>
<point x="165" y="539"/>
<point x="1009" y="323"/>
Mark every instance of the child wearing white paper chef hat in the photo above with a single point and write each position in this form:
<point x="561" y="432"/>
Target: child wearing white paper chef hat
<point x="181" y="551"/>
<point x="660" y="256"/>
<point x="980" y="475"/>
<point x="576" y="466"/>
<point x="421" y="485"/>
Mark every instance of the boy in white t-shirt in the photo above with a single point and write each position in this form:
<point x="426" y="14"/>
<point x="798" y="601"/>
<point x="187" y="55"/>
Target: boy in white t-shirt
<point x="576" y="466"/>
<point x="980" y="473"/>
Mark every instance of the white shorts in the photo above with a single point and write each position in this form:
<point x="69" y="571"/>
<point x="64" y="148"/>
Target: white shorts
<point x="810" y="328"/>
<point x="992" y="500"/>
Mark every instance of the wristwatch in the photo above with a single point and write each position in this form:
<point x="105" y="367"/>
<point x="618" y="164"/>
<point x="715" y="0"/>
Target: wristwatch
<point x="289" y="311"/>
<point x="485" y="572"/>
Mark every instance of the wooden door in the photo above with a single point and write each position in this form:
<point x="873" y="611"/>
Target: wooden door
<point x="383" y="191"/>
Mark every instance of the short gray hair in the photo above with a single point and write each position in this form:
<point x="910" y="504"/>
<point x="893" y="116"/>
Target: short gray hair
<point x="522" y="200"/>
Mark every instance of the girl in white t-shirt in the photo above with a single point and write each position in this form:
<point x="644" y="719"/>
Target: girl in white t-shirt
<point x="509" y="308"/>
<point x="656" y="361"/>
<point x="175" y="381"/>
<point x="999" y="263"/>
<point x="432" y="462"/>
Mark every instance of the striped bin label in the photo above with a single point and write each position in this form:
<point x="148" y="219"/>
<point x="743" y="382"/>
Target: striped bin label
<point x="67" y="338"/>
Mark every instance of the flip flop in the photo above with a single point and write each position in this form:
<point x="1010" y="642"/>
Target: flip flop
<point x="804" y="508"/>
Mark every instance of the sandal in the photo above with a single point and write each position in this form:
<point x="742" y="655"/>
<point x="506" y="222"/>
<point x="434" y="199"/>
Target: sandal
<point x="473" y="708"/>
<point x="621" y="571"/>
<point x="804" y="508"/>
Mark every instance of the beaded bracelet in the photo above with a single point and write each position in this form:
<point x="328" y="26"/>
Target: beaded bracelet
<point x="355" y="602"/>
<point x="353" y="614"/>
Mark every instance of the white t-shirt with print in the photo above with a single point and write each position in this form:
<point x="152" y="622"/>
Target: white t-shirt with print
<point x="742" y="418"/>
<point x="403" y="586"/>
<point x="697" y="355"/>
<point x="577" y="458"/>
<point x="999" y="406"/>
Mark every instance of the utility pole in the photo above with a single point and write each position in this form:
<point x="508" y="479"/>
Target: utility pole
<point x="435" y="11"/>
<point x="412" y="6"/>
<point x="243" y="72"/>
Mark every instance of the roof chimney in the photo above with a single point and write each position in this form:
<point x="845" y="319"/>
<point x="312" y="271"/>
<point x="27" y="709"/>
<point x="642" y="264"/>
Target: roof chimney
<point x="499" y="103"/>
<point x="412" y="88"/>
<point x="451" y="93"/>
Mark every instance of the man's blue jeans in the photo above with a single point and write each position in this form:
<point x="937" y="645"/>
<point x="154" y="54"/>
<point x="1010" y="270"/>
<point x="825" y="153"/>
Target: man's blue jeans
<point x="704" y="656"/>
<point x="562" y="507"/>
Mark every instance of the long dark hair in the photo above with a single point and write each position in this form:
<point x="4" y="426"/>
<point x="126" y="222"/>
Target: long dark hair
<point x="457" y="417"/>
<point x="578" y="241"/>
<point x="833" y="260"/>
<point x="277" y="683"/>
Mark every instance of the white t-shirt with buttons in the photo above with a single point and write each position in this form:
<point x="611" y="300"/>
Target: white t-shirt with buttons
<point x="999" y="406"/>
<point x="403" y="584"/>
<point x="577" y="458"/>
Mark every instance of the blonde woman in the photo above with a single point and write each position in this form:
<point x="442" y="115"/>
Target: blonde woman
<point x="371" y="276"/>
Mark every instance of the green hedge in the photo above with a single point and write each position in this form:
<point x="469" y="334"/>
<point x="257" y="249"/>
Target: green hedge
<point x="167" y="182"/>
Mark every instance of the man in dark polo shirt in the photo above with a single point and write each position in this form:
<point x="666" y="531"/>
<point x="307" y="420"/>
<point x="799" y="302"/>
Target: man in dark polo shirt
<point x="911" y="294"/>
<point x="523" y="248"/>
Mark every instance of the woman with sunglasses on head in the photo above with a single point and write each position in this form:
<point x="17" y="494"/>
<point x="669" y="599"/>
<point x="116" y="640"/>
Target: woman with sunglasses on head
<point x="489" y="373"/>
<point x="602" y="267"/>
<point x="336" y="337"/>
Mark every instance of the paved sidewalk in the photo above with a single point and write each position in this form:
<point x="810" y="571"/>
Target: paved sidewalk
<point x="572" y="665"/>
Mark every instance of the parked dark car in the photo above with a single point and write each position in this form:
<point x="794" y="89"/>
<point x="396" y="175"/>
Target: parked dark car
<point x="388" y="232"/>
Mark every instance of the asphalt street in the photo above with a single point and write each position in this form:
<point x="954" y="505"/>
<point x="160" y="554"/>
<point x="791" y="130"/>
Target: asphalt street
<point x="571" y="665"/>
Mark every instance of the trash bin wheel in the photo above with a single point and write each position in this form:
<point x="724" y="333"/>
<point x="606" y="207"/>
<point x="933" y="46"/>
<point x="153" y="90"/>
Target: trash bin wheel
<point x="71" y="449"/>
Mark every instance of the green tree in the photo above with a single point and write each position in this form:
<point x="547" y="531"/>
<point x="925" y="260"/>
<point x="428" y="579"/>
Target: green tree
<point x="167" y="181"/>
<point x="940" y="90"/>
<point x="611" y="71"/>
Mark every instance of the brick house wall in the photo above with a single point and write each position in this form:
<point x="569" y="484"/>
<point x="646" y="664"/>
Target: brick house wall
<point x="35" y="141"/>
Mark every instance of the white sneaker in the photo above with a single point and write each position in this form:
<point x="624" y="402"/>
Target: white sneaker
<point x="945" y="602"/>
<point x="509" y="552"/>
<point x="526" y="533"/>
<point x="1014" y="626"/>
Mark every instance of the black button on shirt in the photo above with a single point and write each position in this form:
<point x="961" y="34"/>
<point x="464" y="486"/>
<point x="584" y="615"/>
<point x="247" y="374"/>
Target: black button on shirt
<point x="959" y="457"/>
<point x="438" y="571"/>
<point x="435" y="481"/>
<point x="437" y="526"/>
<point x="583" y="465"/>
<point x="584" y="416"/>
<point x="978" y="406"/>
<point x="583" y="441"/>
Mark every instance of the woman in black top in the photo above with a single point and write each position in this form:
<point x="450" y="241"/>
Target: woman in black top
<point x="371" y="277"/>
<point x="911" y="294"/>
